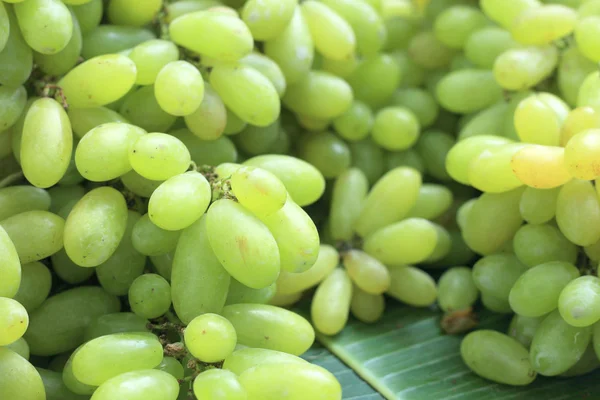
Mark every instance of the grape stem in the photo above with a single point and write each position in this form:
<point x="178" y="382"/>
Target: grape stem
<point x="12" y="178"/>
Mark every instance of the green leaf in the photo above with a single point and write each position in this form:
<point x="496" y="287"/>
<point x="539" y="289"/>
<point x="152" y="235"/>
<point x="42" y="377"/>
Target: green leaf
<point x="406" y="356"/>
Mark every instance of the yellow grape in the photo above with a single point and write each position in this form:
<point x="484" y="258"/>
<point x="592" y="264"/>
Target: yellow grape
<point x="541" y="167"/>
<point x="267" y="19"/>
<point x="539" y="117"/>
<point x="579" y="120"/>
<point x="543" y="25"/>
<point x="582" y="153"/>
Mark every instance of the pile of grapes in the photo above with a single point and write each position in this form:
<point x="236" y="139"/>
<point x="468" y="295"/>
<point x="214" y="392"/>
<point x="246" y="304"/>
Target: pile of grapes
<point x="177" y="176"/>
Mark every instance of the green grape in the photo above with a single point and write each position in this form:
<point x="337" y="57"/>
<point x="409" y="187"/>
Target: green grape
<point x="88" y="15"/>
<point x="523" y="328"/>
<point x="179" y="88"/>
<point x="366" y="307"/>
<point x="12" y="101"/>
<point x="579" y="120"/>
<point x="411" y="74"/>
<point x="491" y="171"/>
<point x="247" y="358"/>
<point x="261" y="104"/>
<point x="349" y="194"/>
<point x="34" y="234"/>
<point x="55" y="387"/>
<point x="454" y="26"/>
<point x="484" y="46"/>
<point x="102" y="154"/>
<point x="110" y="39"/>
<point x="412" y="286"/>
<point x="586" y="35"/>
<point x="18" y="378"/>
<point x="497" y="357"/>
<point x="367" y="25"/>
<point x="84" y="120"/>
<point x="586" y="364"/>
<point x="538" y="119"/>
<point x="270" y="327"/>
<point x="581" y="154"/>
<point x="495" y="275"/>
<point x="199" y="282"/>
<point x="332" y="35"/>
<point x="427" y="52"/>
<point x="342" y="68"/>
<point x="375" y="80"/>
<point x="258" y="190"/>
<point x="133" y="13"/>
<point x="395" y="128"/>
<point x="578" y="212"/>
<point x="217" y="383"/>
<point x="150" y="296"/>
<point x="20" y="347"/>
<point x="16" y="57"/>
<point x="163" y="264"/>
<point x="114" y="75"/>
<point x="150" y="240"/>
<point x="505" y="14"/>
<point x="557" y="346"/>
<point x="150" y="57"/>
<point x="213" y="34"/>
<point x="408" y="158"/>
<point x="179" y="201"/>
<point x="4" y="26"/>
<point x="109" y="324"/>
<point x="209" y="119"/>
<point x="139" y="185"/>
<point x="293" y="48"/>
<point x="433" y="148"/>
<point x="268" y="19"/>
<point x="47" y="140"/>
<point x="143" y="110"/>
<point x="330" y="305"/>
<point x="54" y="331"/>
<point x="139" y="385"/>
<point x="488" y="122"/>
<point x="420" y="102"/>
<point x="456" y="289"/>
<point x="399" y="32"/>
<point x="208" y="152"/>
<point x="482" y="88"/>
<point x="367" y="273"/>
<point x="572" y="70"/>
<point x="258" y="140"/>
<point x="538" y="244"/>
<point x="292" y="381"/>
<point x="71" y="382"/>
<point x="95" y="227"/>
<point x="14" y="321"/>
<point x="60" y="196"/>
<point x="432" y="202"/>
<point x="18" y="199"/>
<point x="290" y="283"/>
<point x="537" y="291"/>
<point x="578" y="301"/>
<point x="46" y="25"/>
<point x="172" y="366"/>
<point x="36" y="281"/>
<point x="329" y="154"/>
<point x="159" y="156"/>
<point x="239" y="293"/>
<point x="304" y="183"/>
<point x="524" y="67"/>
<point x="67" y="270"/>
<point x="355" y="123"/>
<point x="369" y="158"/>
<point x="210" y="337"/>
<point x="236" y="245"/>
<point x="409" y="241"/>
<point x="390" y="199"/>
<point x="234" y="124"/>
<point x="588" y="92"/>
<point x="539" y="26"/>
<point x="269" y="69"/>
<point x="312" y="124"/>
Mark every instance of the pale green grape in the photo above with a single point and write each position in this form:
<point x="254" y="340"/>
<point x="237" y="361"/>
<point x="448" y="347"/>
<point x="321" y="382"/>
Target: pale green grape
<point x="95" y="227"/>
<point x="485" y="45"/>
<point x="216" y="383"/>
<point x="329" y="154"/>
<point x="270" y="327"/>
<point x="179" y="88"/>
<point x="53" y="331"/>
<point x="578" y="301"/>
<point x="110" y="39"/>
<point x="12" y="102"/>
<point x="113" y="76"/>
<point x="18" y="378"/>
<point x="150" y="296"/>
<point x="179" y="201"/>
<point x="133" y="12"/>
<point x="209" y="119"/>
<point x="342" y="68"/>
<point x="420" y="102"/>
<point x="312" y="124"/>
<point x="542" y="25"/>
<point x="395" y="128"/>
<point x="483" y="90"/>
<point x="538" y="244"/>
<point x="355" y="123"/>
<point x="269" y="69"/>
<point x="374" y="80"/>
<point x="332" y="35"/>
<point x="524" y="67"/>
<point x="586" y="364"/>
<point x="487" y="122"/>
<point x="293" y="48"/>
<point x="557" y="346"/>
<point x="55" y="387"/>
<point x="304" y="183"/>
<point x="268" y="19"/>
<point x="139" y="185"/>
<point x="10" y="266"/>
<point x="366" y="307"/>
<point x="16" y="57"/>
<point x="572" y="70"/>
<point x="36" y="281"/>
<point x="412" y="286"/>
<point x="246" y="358"/>
<point x="349" y="194"/>
<point x="217" y="35"/>
<point x="290" y="283"/>
<point x="586" y="35"/>
<point x="330" y="305"/>
<point x="210" y="337"/>
<point x="61" y="195"/>
<point x="495" y="275"/>
<point x="158" y="156"/>
<point x="71" y="382"/>
<point x="35" y="234"/>
<point x="581" y="153"/>
<point x="209" y="152"/>
<point x="14" y="321"/>
<point x="46" y="144"/>
<point x="588" y="92"/>
<point x="102" y="154"/>
<point x="433" y="201"/>
<point x="454" y="26"/>
<point x="150" y="57"/>
<point x="539" y="118"/>
<point x="199" y="282"/>
<point x="152" y="240"/>
<point x="139" y="385"/>
<point x="239" y="293"/>
<point x="141" y="108"/>
<point x="523" y="328"/>
<point x="67" y="270"/>
<point x="46" y="25"/>
<point x="367" y="273"/>
<point x="163" y="264"/>
<point x="537" y="291"/>
<point x="456" y="289"/>
<point x="84" y="120"/>
<point x="428" y="52"/>
<point x="258" y="190"/>
<point x="497" y="357"/>
<point x="491" y="171"/>
<point x="504" y="13"/>
<point x="88" y="14"/>
<point x="108" y="324"/>
<point x="109" y="356"/>
<point x="579" y="119"/>
<point x="578" y="212"/>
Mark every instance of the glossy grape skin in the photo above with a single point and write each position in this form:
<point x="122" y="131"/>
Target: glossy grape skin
<point x="453" y="26"/>
<point x="267" y="20"/>
<point x="18" y="378"/>
<point x="374" y="80"/>
<point x="151" y="240"/>
<point x="524" y="67"/>
<point x="543" y="25"/>
<point x="88" y="14"/>
<point x="14" y="321"/>
<point x="258" y="190"/>
<point x="483" y="88"/>
<point x="542" y="167"/>
<point x="290" y="283"/>
<point x="110" y="39"/>
<point x="578" y="212"/>
<point x="150" y="57"/>
<point x="395" y="128"/>
<point x="349" y="193"/>
<point x="46" y="25"/>
<point x="139" y="385"/>
<point x="150" y="296"/>
<point x="538" y="244"/>
<point x="578" y="301"/>
<point x="333" y="36"/>
<point x="366" y="272"/>
<point x="159" y="156"/>
<point x="210" y="338"/>
<point x="36" y="281"/>
<point x="179" y="88"/>
<point x="16" y="57"/>
<point x="13" y="101"/>
<point x="456" y="289"/>
<point x="10" y="266"/>
<point x="218" y="383"/>
<point x="133" y="13"/>
<point x="578" y="120"/>
<point x="581" y="153"/>
<point x="329" y="154"/>
<point x="412" y="286"/>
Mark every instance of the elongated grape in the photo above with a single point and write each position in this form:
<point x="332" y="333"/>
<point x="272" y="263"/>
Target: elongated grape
<point x="497" y="357"/>
<point x="578" y="212"/>
<point x="179" y="88"/>
<point x="453" y="26"/>
<point x="464" y="152"/>
<point x="16" y="57"/>
<point x="538" y="244"/>
<point x="505" y="14"/>
<point x="150" y="57"/>
<point x="139" y="385"/>
<point x="541" y="167"/>
<point x="71" y="382"/>
<point x="412" y="286"/>
<point x="538" y="206"/>
<point x="366" y="272"/>
<point x="483" y="88"/>
<point x="10" y="267"/>
<point x="523" y="328"/>
<point x="110" y="39"/>
<point x="109" y="324"/>
<point x="578" y="304"/>
<point x="18" y="378"/>
<point x="523" y="68"/>
<point x="217" y="382"/>
<point x="395" y="128"/>
<point x="88" y="14"/>
<point x="456" y="289"/>
<point x="199" y="282"/>
<point x="433" y="201"/>
<point x="95" y="227"/>
<point x="267" y="20"/>
<point x="349" y="193"/>
<point x="12" y="100"/>
<point x="85" y="119"/>
<point x="557" y="346"/>
<point x="141" y="108"/>
<point x="46" y="25"/>
<point x="14" y="320"/>
<point x="366" y="307"/>
<point x="269" y="69"/>
<point x="258" y="190"/>
<point x="151" y="240"/>
<point x="47" y="141"/>
<point x="289" y="283"/>
<point x="333" y="36"/>
<point x="572" y="70"/>
<point x="483" y="46"/>
<point x="246" y="358"/>
<point x="329" y="154"/>
<point x="588" y="92"/>
<point x="172" y="366"/>
<point x="239" y="293"/>
<point x="586" y="32"/>
<point x="487" y="122"/>
<point x="330" y="306"/>
<point x="36" y="281"/>
<point x="579" y="119"/>
<point x="133" y="13"/>
<point x="542" y="25"/>
<point x="355" y="123"/>
<point x="495" y="275"/>
<point x="581" y="153"/>
<point x="374" y="80"/>
<point x="53" y="331"/>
